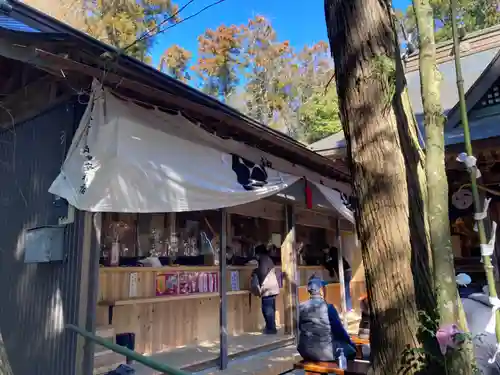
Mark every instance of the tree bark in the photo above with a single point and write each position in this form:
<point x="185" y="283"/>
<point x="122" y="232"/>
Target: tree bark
<point x="437" y="183"/>
<point x="385" y="163"/>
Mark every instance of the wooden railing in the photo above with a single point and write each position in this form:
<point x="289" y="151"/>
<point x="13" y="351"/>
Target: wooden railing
<point x="130" y="354"/>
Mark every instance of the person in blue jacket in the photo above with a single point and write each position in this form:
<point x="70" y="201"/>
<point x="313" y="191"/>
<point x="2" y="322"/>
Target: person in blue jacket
<point x="321" y="333"/>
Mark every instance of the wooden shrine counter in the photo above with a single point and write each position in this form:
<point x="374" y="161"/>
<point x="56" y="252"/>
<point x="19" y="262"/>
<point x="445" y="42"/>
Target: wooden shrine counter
<point x="169" y="307"/>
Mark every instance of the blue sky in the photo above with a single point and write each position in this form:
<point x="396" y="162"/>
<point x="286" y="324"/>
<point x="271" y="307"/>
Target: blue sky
<point x="299" y="24"/>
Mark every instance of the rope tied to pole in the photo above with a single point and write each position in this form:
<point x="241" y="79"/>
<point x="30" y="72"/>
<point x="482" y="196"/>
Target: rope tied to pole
<point x="470" y="162"/>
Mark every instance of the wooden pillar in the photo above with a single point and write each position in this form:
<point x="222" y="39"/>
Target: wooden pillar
<point x="341" y="272"/>
<point x="172" y="235"/>
<point x="229" y="232"/>
<point x="89" y="286"/>
<point x="223" y="291"/>
<point x="289" y="270"/>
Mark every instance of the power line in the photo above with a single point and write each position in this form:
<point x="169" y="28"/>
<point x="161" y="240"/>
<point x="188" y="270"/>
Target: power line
<point x="157" y="28"/>
<point x="187" y="18"/>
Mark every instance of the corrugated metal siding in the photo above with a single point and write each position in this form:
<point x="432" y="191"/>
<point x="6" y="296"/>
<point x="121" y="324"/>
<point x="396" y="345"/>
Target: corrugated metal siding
<point x="15" y="25"/>
<point x="37" y="300"/>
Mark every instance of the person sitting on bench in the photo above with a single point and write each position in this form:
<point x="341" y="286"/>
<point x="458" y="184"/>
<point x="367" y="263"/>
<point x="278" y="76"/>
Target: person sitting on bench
<point x="364" y="324"/>
<point x="321" y="333"/>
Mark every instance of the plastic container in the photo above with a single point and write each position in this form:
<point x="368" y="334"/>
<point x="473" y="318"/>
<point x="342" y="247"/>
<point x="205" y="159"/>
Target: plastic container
<point x="342" y="360"/>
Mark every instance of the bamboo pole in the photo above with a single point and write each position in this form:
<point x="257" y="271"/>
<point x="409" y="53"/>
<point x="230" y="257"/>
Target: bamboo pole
<point x="162" y="368"/>
<point x="488" y="268"/>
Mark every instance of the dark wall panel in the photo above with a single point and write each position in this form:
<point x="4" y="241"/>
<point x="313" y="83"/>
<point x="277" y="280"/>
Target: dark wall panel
<point x="36" y="300"/>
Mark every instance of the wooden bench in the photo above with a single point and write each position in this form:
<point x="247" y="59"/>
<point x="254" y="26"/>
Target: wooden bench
<point x="358" y="342"/>
<point x="315" y="368"/>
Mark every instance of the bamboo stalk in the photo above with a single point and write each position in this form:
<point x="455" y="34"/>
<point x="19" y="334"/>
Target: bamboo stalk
<point x="488" y="268"/>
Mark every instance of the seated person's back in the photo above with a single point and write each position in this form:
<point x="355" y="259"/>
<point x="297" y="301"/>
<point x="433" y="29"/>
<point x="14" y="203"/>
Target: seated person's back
<point x="321" y="333"/>
<point x="364" y="325"/>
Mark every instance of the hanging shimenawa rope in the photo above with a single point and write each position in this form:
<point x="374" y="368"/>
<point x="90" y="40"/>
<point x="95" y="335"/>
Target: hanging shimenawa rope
<point x="469" y="160"/>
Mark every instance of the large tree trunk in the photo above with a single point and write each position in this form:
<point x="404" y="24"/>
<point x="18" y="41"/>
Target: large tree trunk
<point x="385" y="164"/>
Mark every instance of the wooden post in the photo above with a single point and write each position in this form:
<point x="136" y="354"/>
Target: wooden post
<point x="229" y="232"/>
<point x="89" y="286"/>
<point x="223" y="291"/>
<point x="341" y="272"/>
<point x="289" y="271"/>
<point x="82" y="350"/>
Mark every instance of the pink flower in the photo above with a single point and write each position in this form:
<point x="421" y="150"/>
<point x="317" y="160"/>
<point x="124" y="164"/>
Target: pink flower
<point x="448" y="337"/>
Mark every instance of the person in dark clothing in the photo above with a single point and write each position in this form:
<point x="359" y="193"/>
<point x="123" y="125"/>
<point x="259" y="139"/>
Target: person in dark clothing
<point x="321" y="333"/>
<point x="364" y="324"/>
<point x="331" y="263"/>
<point x="269" y="288"/>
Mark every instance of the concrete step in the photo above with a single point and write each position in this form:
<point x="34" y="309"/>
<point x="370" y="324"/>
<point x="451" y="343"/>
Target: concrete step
<point x="107" y="361"/>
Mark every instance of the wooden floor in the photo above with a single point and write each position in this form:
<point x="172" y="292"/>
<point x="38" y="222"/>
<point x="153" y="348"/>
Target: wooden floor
<point x="205" y="355"/>
<point x="272" y="362"/>
<point x="263" y="355"/>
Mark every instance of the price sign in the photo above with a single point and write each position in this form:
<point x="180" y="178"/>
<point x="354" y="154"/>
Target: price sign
<point x="235" y="280"/>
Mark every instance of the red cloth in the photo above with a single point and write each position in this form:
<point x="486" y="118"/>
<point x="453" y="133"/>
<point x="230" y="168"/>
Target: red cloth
<point x="308" y="193"/>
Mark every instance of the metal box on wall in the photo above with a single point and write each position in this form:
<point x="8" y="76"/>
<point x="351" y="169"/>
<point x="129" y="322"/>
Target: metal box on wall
<point x="44" y="244"/>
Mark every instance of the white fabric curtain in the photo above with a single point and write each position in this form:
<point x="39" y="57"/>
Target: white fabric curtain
<point x="125" y="158"/>
<point x="338" y="203"/>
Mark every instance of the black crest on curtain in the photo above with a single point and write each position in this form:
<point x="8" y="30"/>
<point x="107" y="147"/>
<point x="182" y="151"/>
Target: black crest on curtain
<point x="249" y="174"/>
<point x="347" y="200"/>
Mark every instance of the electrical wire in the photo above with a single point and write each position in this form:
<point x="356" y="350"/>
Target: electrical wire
<point x="157" y="28"/>
<point x="181" y="21"/>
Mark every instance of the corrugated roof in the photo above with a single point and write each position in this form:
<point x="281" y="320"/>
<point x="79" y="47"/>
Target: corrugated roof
<point x="331" y="142"/>
<point x="479" y="129"/>
<point x="472" y="67"/>
<point x="12" y="24"/>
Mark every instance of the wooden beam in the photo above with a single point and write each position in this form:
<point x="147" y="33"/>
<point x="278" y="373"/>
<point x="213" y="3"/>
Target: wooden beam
<point x="223" y="349"/>
<point x="264" y="209"/>
<point x="289" y="269"/>
<point x="273" y="210"/>
<point x="310" y="218"/>
<point x="32" y="99"/>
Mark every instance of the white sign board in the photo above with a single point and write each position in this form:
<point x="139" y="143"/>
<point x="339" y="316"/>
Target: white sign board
<point x="235" y="280"/>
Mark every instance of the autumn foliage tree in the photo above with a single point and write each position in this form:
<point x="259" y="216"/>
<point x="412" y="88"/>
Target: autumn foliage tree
<point x="175" y="62"/>
<point x="265" y="59"/>
<point x="318" y="112"/>
<point x="474" y="15"/>
<point x="116" y="22"/>
<point x="220" y="60"/>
